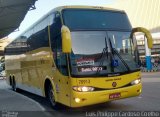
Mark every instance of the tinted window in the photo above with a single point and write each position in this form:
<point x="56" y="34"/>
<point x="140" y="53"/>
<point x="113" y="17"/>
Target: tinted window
<point x="39" y="39"/>
<point x="18" y="46"/>
<point x="79" y="19"/>
<point x="56" y="45"/>
<point x="34" y="38"/>
<point x="55" y="33"/>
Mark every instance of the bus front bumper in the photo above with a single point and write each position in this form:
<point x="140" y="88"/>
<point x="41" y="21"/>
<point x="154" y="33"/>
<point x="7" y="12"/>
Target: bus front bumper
<point x="80" y="99"/>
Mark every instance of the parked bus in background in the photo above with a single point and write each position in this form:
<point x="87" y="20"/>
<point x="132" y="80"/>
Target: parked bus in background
<point x="77" y="56"/>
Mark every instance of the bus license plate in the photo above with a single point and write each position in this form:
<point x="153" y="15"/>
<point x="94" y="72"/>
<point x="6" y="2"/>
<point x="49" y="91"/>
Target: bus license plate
<point x="114" y="95"/>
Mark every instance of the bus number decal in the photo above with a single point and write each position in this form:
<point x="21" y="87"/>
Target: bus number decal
<point x="82" y="82"/>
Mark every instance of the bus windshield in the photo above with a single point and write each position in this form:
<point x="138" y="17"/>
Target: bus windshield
<point x="88" y="57"/>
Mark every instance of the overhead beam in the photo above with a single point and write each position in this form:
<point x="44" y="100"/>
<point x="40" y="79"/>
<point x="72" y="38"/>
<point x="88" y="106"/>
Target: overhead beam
<point x="12" y="13"/>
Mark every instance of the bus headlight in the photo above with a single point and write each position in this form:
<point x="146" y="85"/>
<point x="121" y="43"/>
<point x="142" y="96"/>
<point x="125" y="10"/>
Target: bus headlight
<point x="83" y="88"/>
<point x="137" y="81"/>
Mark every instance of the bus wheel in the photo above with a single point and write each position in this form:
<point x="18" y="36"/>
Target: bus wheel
<point x="13" y="84"/>
<point x="10" y="80"/>
<point x="51" y="96"/>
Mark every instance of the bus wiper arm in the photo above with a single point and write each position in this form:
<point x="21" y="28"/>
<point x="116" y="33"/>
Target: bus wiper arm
<point x="105" y="50"/>
<point x="103" y="54"/>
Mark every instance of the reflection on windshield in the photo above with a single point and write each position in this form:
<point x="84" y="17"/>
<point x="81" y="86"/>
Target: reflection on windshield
<point x="87" y="43"/>
<point x="124" y="46"/>
<point x="121" y="41"/>
<point x="88" y="49"/>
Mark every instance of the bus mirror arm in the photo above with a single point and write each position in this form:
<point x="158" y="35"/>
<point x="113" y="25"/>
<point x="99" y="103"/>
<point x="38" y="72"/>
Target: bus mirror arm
<point x="147" y="34"/>
<point x="66" y="39"/>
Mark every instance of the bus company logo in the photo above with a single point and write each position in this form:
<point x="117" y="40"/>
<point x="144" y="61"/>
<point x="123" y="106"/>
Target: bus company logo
<point x="114" y="84"/>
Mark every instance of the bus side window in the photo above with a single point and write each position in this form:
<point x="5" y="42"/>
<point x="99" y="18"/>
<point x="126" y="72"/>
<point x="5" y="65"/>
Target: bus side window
<point x="39" y="35"/>
<point x="56" y="45"/>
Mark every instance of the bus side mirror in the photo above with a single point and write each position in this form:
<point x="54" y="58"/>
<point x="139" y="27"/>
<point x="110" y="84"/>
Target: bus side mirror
<point x="147" y="34"/>
<point x="66" y="39"/>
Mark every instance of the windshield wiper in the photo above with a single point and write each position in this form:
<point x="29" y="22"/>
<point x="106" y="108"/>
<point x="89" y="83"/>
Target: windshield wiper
<point x="102" y="57"/>
<point x="114" y="51"/>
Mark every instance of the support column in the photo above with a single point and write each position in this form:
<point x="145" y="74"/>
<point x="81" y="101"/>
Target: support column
<point x="148" y="56"/>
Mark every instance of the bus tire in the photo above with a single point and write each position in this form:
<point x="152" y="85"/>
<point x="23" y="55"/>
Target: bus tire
<point x="10" y="80"/>
<point x="51" y="96"/>
<point x="13" y="84"/>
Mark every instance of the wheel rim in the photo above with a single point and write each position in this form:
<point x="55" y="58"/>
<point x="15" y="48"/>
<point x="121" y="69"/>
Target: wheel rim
<point x="51" y="96"/>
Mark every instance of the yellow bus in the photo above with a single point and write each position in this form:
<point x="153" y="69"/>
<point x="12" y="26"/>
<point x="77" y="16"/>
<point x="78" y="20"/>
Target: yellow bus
<point x="77" y="56"/>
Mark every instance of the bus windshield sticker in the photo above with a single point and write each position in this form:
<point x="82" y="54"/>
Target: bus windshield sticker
<point x="85" y="62"/>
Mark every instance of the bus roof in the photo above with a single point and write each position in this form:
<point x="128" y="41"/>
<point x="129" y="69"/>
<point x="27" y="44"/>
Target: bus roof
<point x="60" y="8"/>
<point x="85" y="7"/>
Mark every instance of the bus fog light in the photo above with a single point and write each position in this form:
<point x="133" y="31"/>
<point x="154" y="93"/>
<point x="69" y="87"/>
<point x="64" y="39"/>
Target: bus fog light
<point x="77" y="100"/>
<point x="137" y="81"/>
